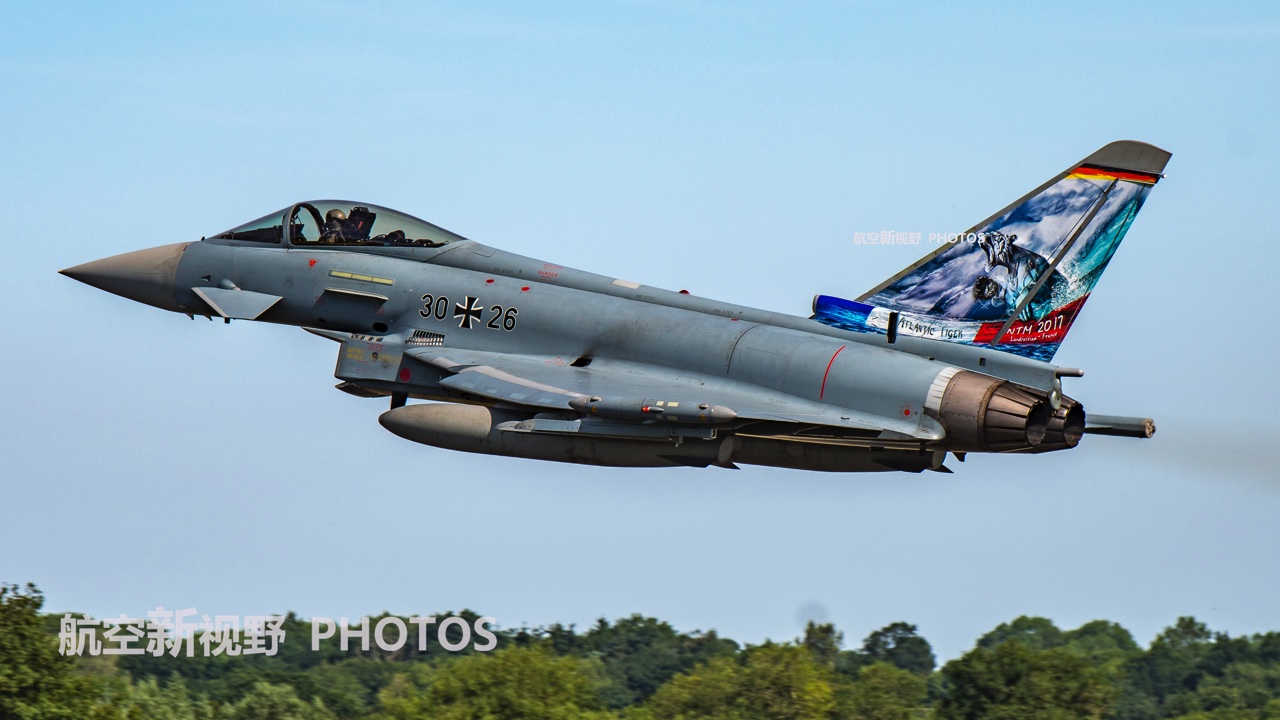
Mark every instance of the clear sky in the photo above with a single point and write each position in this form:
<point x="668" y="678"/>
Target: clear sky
<point x="729" y="148"/>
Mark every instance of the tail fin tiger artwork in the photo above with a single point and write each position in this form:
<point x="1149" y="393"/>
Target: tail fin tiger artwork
<point x="1017" y="280"/>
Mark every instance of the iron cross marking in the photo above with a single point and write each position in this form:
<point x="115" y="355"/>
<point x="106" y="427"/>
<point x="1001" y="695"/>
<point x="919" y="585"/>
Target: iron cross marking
<point x="468" y="312"/>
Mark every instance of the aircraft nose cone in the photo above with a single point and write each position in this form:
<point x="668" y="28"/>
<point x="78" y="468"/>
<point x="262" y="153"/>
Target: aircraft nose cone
<point x="146" y="276"/>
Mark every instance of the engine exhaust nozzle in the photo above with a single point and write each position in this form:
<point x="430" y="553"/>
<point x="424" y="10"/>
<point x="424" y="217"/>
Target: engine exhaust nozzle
<point x="986" y="414"/>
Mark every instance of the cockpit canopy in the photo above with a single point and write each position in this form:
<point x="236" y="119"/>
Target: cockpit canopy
<point x="341" y="222"/>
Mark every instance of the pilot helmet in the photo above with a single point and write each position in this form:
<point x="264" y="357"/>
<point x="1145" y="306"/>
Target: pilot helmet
<point x="335" y="215"/>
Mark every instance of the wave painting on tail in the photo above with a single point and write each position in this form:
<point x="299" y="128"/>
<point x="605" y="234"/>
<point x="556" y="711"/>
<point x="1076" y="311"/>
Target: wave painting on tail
<point x="1016" y="281"/>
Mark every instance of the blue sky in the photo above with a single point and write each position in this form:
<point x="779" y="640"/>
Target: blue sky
<point x="729" y="148"/>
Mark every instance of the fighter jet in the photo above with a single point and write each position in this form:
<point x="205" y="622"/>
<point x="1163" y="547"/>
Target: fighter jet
<point x="521" y="357"/>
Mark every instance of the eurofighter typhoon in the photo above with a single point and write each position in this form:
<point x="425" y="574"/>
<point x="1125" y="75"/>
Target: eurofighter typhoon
<point x="525" y="358"/>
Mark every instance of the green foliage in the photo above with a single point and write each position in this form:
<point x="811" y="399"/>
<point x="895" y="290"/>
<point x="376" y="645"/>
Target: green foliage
<point x="885" y="692"/>
<point x="1190" y="671"/>
<point x="36" y="682"/>
<point x="1015" y="681"/>
<point x="765" y="682"/>
<point x="349" y="688"/>
<point x="1102" y="642"/>
<point x="147" y="699"/>
<point x="529" y="683"/>
<point x="824" y="641"/>
<point x="274" y="702"/>
<point x="1035" y="632"/>
<point x="641" y="668"/>
<point x="900" y="644"/>
<point x="639" y="654"/>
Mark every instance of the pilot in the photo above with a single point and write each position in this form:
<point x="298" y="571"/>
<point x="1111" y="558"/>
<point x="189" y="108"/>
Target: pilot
<point x="334" y="222"/>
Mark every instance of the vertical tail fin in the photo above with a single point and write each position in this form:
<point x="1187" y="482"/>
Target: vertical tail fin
<point x="1017" y="280"/>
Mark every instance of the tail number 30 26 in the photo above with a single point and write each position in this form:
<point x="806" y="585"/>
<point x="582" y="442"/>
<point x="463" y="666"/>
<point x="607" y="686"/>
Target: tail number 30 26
<point x="500" y="318"/>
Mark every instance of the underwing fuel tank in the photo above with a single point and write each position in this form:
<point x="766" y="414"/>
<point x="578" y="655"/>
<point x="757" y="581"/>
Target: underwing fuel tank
<point x="986" y="414"/>
<point x="476" y="429"/>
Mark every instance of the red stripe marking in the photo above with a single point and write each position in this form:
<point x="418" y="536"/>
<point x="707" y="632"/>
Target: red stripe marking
<point x="830" y="362"/>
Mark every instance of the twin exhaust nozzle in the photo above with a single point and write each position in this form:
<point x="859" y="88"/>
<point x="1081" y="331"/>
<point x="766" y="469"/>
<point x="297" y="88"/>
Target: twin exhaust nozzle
<point x="986" y="414"/>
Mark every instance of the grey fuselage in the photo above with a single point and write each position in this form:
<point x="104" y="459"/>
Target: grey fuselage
<point x="548" y="362"/>
<point x="573" y="314"/>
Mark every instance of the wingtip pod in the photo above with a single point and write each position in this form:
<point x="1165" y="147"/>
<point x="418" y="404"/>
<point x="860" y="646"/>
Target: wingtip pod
<point x="1017" y="280"/>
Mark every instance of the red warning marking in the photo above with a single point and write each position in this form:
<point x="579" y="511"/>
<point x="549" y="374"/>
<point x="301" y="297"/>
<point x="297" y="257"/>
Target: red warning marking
<point x="906" y="412"/>
<point x="830" y="362"/>
<point x="524" y="289"/>
<point x="405" y="374"/>
<point x="490" y="281"/>
<point x="311" y="262"/>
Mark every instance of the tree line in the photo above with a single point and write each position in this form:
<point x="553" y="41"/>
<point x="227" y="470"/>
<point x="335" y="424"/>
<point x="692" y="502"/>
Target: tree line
<point x="640" y="668"/>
